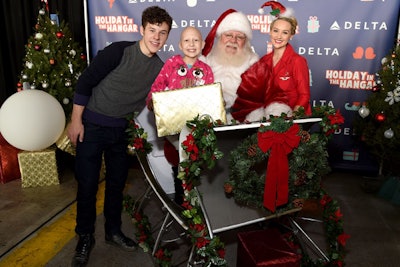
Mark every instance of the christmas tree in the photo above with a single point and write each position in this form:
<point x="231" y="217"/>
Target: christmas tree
<point x="379" y="122"/>
<point x="53" y="61"/>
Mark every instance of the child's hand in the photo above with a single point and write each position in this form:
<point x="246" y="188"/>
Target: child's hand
<point x="150" y="106"/>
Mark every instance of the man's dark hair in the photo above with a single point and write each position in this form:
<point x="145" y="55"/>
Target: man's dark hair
<point x="156" y="15"/>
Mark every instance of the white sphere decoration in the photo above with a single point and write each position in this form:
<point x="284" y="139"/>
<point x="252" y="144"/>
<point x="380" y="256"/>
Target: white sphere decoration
<point x="389" y="133"/>
<point x="363" y="112"/>
<point x="31" y="120"/>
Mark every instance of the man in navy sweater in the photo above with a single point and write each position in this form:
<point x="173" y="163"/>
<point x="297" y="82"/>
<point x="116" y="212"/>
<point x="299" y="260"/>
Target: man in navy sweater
<point x="114" y="85"/>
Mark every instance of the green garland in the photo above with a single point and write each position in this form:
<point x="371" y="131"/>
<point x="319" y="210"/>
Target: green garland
<point x="137" y="137"/>
<point x="163" y="256"/>
<point x="202" y="152"/>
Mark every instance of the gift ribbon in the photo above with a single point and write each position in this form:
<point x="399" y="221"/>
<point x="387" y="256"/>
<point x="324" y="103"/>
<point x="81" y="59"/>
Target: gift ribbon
<point x="276" y="188"/>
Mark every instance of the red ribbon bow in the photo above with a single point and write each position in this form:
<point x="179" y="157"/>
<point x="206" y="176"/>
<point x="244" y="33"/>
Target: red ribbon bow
<point x="276" y="188"/>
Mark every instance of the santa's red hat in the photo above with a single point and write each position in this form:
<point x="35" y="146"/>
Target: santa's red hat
<point x="230" y="20"/>
<point x="278" y="10"/>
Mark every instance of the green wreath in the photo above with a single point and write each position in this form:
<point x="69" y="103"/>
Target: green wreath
<point x="307" y="164"/>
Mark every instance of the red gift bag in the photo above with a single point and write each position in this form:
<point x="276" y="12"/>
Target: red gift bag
<point x="262" y="248"/>
<point x="9" y="167"/>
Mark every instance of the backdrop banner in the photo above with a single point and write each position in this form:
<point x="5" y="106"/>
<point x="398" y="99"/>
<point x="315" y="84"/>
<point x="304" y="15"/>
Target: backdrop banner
<point x="343" y="42"/>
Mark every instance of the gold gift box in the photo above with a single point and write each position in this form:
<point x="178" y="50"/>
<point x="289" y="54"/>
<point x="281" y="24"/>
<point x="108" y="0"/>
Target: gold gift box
<point x="38" y="168"/>
<point x="172" y="109"/>
<point x="64" y="144"/>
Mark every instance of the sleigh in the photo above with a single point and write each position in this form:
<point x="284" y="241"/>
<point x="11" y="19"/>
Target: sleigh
<point x="220" y="212"/>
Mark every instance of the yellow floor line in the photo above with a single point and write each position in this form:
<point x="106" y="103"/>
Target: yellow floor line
<point x="49" y="240"/>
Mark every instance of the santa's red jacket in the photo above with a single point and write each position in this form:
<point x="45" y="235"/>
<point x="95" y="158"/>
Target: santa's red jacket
<point x="288" y="82"/>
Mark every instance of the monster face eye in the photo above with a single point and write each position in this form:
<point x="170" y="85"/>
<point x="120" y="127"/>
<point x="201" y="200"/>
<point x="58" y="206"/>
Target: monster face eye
<point x="182" y="71"/>
<point x="198" y="73"/>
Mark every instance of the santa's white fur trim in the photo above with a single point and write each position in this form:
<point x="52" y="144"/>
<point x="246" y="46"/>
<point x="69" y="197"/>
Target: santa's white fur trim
<point x="276" y="109"/>
<point x="256" y="115"/>
<point x="289" y="12"/>
<point x="236" y="21"/>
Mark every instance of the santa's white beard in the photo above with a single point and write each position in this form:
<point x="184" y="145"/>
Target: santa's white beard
<point x="221" y="57"/>
<point x="227" y="69"/>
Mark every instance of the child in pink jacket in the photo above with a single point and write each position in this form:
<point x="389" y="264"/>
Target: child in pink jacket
<point x="181" y="72"/>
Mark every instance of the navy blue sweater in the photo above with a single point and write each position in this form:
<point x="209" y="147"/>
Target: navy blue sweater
<point x="116" y="83"/>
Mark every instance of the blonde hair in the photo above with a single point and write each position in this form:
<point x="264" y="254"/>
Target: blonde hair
<point x="291" y="20"/>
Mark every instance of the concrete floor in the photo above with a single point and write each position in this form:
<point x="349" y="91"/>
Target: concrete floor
<point x="372" y="222"/>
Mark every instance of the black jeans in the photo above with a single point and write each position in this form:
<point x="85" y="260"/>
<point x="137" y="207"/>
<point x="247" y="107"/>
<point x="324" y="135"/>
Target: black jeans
<point x="89" y="154"/>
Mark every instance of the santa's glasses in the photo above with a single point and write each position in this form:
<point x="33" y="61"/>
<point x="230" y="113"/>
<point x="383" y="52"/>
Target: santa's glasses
<point x="238" y="37"/>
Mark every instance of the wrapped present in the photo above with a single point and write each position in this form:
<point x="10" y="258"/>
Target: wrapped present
<point x="9" y="168"/>
<point x="313" y="24"/>
<point x="265" y="248"/>
<point x="38" y="168"/>
<point x="173" y="108"/>
<point x="351" y="155"/>
<point x="64" y="144"/>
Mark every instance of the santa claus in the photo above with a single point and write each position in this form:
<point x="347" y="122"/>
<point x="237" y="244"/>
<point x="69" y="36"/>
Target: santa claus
<point x="232" y="53"/>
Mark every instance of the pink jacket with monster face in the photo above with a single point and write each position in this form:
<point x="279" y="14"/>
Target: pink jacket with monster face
<point x="175" y="74"/>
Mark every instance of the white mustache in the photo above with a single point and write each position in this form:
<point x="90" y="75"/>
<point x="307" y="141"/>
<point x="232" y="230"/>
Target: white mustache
<point x="232" y="44"/>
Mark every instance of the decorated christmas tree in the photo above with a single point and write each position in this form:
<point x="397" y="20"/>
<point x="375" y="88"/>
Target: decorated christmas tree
<point x="379" y="122"/>
<point x="53" y="61"/>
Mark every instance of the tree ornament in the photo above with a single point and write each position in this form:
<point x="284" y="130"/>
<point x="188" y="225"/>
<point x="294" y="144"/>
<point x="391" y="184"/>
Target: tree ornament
<point x="33" y="86"/>
<point x="52" y="61"/>
<point x="45" y="85"/>
<point x="380" y="117"/>
<point x="42" y="12"/>
<point x="70" y="67"/>
<point x="67" y="83"/>
<point x="65" y="101"/>
<point x="363" y="112"/>
<point x="37" y="47"/>
<point x="29" y="65"/>
<point x="83" y="56"/>
<point x="46" y="51"/>
<point x="389" y="133"/>
<point x="38" y="36"/>
<point x="72" y="52"/>
<point x="376" y="88"/>
<point x="393" y="96"/>
<point x="24" y="76"/>
<point x="59" y="35"/>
